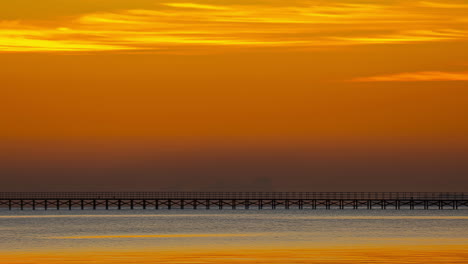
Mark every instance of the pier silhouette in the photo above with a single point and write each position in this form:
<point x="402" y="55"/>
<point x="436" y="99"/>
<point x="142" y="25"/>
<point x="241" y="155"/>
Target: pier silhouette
<point x="232" y="200"/>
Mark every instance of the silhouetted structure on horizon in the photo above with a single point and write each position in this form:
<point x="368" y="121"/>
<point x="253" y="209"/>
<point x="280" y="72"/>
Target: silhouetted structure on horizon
<point x="232" y="200"/>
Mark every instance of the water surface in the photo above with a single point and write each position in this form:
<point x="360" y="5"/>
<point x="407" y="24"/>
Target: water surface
<point x="234" y="236"/>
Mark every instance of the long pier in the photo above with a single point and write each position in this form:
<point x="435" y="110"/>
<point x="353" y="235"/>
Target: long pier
<point x="232" y="200"/>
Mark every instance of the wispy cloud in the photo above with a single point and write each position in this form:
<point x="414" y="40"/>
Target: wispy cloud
<point x="411" y="36"/>
<point x="424" y="76"/>
<point x="188" y="24"/>
<point x="442" y="5"/>
<point x="196" y="6"/>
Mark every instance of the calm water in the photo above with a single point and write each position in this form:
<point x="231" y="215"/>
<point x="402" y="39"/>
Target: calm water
<point x="184" y="230"/>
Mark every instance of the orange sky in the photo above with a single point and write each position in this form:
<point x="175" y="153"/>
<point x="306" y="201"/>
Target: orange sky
<point x="110" y="77"/>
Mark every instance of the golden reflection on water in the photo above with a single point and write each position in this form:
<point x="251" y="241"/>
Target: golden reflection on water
<point x="235" y="238"/>
<point x="330" y="255"/>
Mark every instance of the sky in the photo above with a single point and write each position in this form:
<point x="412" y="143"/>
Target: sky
<point x="245" y="95"/>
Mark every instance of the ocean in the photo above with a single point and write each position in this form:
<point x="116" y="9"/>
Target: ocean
<point x="234" y="236"/>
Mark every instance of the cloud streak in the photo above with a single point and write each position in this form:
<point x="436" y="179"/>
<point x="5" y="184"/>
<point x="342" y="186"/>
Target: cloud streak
<point x="443" y="5"/>
<point x="424" y="76"/>
<point x="176" y="25"/>
<point x="196" y="6"/>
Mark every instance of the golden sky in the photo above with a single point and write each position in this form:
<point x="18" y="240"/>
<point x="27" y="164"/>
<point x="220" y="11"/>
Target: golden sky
<point x="171" y="26"/>
<point x="87" y="78"/>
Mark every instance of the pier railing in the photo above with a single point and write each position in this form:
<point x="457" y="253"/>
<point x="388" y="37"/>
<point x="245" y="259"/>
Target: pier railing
<point x="240" y="195"/>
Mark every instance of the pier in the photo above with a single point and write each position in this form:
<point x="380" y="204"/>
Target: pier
<point x="232" y="200"/>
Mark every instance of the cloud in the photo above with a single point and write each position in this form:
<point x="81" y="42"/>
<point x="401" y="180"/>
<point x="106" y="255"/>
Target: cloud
<point x="31" y="40"/>
<point x="442" y="5"/>
<point x="196" y="6"/>
<point x="411" y="36"/>
<point x="186" y="25"/>
<point x="424" y="76"/>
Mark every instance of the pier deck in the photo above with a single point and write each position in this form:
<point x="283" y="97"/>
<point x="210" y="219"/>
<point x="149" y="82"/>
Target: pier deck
<point x="232" y="200"/>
